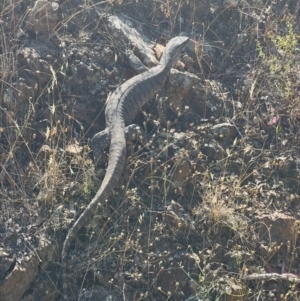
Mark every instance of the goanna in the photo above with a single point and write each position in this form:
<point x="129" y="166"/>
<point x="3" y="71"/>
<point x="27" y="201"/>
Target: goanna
<point x="121" y="109"/>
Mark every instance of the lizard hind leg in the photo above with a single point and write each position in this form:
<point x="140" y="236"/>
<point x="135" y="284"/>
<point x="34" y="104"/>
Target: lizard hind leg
<point x="100" y="141"/>
<point x="100" y="144"/>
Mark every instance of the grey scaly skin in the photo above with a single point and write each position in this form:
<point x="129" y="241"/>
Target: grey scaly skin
<point x="122" y="107"/>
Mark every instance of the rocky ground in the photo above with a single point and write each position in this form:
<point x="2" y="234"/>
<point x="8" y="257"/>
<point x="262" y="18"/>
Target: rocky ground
<point x="208" y="208"/>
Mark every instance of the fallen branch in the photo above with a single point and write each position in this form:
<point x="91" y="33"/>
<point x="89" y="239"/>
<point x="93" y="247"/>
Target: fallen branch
<point x="274" y="276"/>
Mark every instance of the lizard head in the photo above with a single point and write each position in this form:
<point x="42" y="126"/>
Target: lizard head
<point x="173" y="51"/>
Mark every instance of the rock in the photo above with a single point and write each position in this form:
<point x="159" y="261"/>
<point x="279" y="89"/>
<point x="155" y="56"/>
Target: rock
<point x="44" y="289"/>
<point x="208" y="100"/>
<point x="19" y="279"/>
<point x="230" y="3"/>
<point x="213" y="150"/>
<point x="123" y="30"/>
<point x="224" y="132"/>
<point x="6" y="262"/>
<point x="182" y="139"/>
<point x="276" y="229"/>
<point x="20" y="269"/>
<point x="180" y="173"/>
<point x="135" y="63"/>
<point x="178" y="85"/>
<point x="207" y="56"/>
<point x="199" y="9"/>
<point x="27" y="87"/>
<point x="168" y="272"/>
<point x="36" y="61"/>
<point x="177" y="216"/>
<point x="42" y="18"/>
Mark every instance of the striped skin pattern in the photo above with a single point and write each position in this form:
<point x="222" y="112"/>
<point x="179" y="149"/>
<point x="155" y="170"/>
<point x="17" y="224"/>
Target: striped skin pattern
<point x="122" y="107"/>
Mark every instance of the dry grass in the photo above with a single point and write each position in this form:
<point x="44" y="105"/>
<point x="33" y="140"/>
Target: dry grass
<point x="169" y="200"/>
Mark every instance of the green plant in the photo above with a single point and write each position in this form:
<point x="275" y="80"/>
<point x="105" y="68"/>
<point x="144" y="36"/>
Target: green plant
<point x="278" y="56"/>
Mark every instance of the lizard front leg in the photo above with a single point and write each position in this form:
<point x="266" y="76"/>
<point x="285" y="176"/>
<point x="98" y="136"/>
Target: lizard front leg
<point x="100" y="144"/>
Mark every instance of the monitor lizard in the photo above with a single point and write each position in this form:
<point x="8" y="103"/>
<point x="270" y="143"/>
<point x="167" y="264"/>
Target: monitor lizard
<point x="122" y="107"/>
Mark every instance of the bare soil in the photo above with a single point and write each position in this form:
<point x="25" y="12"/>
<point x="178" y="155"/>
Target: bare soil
<point x="208" y="208"/>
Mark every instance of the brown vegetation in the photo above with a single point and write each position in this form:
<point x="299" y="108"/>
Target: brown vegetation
<point x="209" y="208"/>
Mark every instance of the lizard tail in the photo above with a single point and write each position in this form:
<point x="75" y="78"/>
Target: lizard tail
<point x="116" y="162"/>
